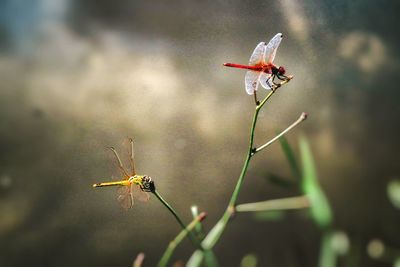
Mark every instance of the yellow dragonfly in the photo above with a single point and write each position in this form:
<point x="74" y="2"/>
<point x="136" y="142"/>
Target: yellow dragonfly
<point x="132" y="186"/>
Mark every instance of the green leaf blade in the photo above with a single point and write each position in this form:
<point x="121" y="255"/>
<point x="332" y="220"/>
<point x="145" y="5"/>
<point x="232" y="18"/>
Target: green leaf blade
<point x="320" y="209"/>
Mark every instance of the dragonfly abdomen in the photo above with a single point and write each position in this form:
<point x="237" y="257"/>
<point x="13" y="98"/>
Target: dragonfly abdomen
<point x="239" y="66"/>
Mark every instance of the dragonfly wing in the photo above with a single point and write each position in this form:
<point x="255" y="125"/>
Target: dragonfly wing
<point x="122" y="190"/>
<point x="125" y="198"/>
<point x="251" y="81"/>
<point x="258" y="54"/>
<point x="271" y="48"/>
<point x="139" y="194"/>
<point x="265" y="80"/>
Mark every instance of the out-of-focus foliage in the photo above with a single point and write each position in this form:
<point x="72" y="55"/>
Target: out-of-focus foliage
<point x="249" y="260"/>
<point x="393" y="191"/>
<point x="340" y="242"/>
<point x="320" y="209"/>
<point x="275" y="215"/>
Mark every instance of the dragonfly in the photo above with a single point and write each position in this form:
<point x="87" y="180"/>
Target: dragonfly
<point x="261" y="69"/>
<point x="131" y="186"/>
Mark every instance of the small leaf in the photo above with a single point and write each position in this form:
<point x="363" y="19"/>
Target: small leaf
<point x="320" y="209"/>
<point x="290" y="156"/>
<point x="196" y="259"/>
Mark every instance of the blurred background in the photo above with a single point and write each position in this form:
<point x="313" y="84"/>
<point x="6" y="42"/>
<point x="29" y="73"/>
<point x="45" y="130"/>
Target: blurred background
<point x="80" y="76"/>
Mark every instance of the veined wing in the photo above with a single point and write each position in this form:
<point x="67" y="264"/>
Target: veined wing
<point x="125" y="197"/>
<point x="139" y="194"/>
<point x="251" y="81"/>
<point x="265" y="80"/>
<point x="258" y="54"/>
<point x="271" y="48"/>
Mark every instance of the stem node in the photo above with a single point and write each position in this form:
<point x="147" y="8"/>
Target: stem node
<point x="231" y="210"/>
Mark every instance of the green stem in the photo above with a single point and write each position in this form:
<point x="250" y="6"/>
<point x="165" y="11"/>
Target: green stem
<point x="327" y="254"/>
<point x="302" y="117"/>
<point x="178" y="239"/>
<point x="165" y="203"/>
<point x="250" y="152"/>
<point x="192" y="238"/>
<point x="198" y="229"/>
<point x="289" y="203"/>
<point x="215" y="233"/>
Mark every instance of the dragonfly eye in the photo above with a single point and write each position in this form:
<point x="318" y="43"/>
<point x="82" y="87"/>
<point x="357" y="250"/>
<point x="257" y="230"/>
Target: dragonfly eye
<point x="281" y="70"/>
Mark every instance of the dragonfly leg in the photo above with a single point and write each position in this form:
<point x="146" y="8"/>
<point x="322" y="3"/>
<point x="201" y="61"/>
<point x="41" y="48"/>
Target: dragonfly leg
<point x="283" y="77"/>
<point x="131" y="157"/>
<point x="274" y="84"/>
<point x="120" y="166"/>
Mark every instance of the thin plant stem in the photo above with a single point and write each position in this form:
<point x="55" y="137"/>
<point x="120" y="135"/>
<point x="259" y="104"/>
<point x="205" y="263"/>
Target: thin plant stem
<point x="212" y="238"/>
<point x="214" y="235"/>
<point x="165" y="203"/>
<point x="198" y="228"/>
<point x="289" y="203"/>
<point x="138" y="262"/>
<point x="302" y="117"/>
<point x="178" y="239"/>
<point x="235" y="194"/>
<point x="327" y="254"/>
<point x="194" y="240"/>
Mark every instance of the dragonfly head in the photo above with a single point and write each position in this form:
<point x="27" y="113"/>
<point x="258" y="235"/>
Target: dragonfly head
<point x="147" y="184"/>
<point x="281" y="70"/>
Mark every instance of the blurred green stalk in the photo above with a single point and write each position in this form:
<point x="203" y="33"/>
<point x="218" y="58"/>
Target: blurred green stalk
<point x="300" y="202"/>
<point x="198" y="229"/>
<point x="178" y="239"/>
<point x="192" y="238"/>
<point x="214" y="235"/>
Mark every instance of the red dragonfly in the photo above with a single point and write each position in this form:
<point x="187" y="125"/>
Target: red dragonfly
<point x="261" y="69"/>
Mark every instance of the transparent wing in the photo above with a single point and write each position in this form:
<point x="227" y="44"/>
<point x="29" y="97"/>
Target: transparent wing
<point x="265" y="80"/>
<point x="251" y="81"/>
<point x="118" y="163"/>
<point x="271" y="48"/>
<point x="139" y="194"/>
<point x="125" y="197"/>
<point x="258" y="54"/>
<point x="122" y="190"/>
<point x="128" y="145"/>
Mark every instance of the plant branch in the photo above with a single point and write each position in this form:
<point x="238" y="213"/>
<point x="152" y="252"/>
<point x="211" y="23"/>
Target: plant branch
<point x="198" y="229"/>
<point x="178" y="239"/>
<point x="194" y="240"/>
<point x="302" y="118"/>
<point x="214" y="235"/>
<point x="138" y="262"/>
<point x="299" y="202"/>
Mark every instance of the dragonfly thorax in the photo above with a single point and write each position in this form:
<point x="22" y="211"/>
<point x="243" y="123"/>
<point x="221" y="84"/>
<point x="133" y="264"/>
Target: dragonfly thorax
<point x="136" y="179"/>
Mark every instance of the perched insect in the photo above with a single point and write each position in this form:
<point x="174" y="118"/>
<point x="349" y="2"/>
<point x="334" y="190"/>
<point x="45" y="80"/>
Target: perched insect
<point x="261" y="69"/>
<point x="132" y="186"/>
